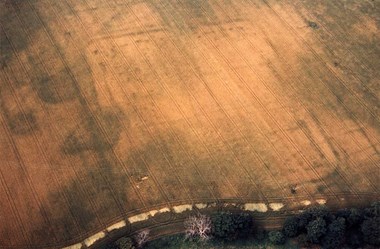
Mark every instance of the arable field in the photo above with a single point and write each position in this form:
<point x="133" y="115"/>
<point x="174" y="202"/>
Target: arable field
<point x="109" y="108"/>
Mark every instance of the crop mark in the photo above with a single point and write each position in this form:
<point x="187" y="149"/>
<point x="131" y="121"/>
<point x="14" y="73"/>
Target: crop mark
<point x="312" y="24"/>
<point x="22" y="123"/>
<point x="56" y="89"/>
<point x="85" y="137"/>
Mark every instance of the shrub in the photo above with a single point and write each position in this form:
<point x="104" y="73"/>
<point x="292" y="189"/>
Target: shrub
<point x="260" y="234"/>
<point x="371" y="231"/>
<point x="124" y="243"/>
<point x="228" y="226"/>
<point x="111" y="245"/>
<point x="276" y="237"/>
<point x="290" y="228"/>
<point x="355" y="218"/>
<point x="316" y="229"/>
<point x="303" y="241"/>
<point x="141" y="238"/>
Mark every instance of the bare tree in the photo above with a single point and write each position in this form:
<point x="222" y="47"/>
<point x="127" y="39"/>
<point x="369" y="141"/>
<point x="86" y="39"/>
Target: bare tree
<point x="142" y="237"/>
<point x="198" y="225"/>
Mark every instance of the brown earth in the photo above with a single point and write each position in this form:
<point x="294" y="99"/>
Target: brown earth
<point x="209" y="99"/>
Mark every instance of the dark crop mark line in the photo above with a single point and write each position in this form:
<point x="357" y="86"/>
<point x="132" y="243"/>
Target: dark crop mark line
<point x="264" y="108"/>
<point x="122" y="33"/>
<point x="302" y="40"/>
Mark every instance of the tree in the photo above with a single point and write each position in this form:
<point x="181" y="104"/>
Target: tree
<point x="355" y="218"/>
<point x="276" y="237"/>
<point x="141" y="238"/>
<point x="373" y="211"/>
<point x="228" y="226"/>
<point x="371" y="231"/>
<point x="198" y="226"/>
<point x="335" y="234"/>
<point x="111" y="245"/>
<point x="316" y="229"/>
<point x="290" y="228"/>
<point x="354" y="238"/>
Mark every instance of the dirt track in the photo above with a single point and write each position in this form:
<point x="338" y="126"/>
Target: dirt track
<point x="109" y="108"/>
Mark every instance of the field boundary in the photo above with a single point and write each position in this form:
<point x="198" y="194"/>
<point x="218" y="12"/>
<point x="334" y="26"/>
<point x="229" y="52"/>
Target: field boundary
<point x="270" y="215"/>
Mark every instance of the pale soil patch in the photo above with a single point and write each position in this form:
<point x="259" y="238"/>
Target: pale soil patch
<point x="147" y="215"/>
<point x="91" y="240"/>
<point x="139" y="217"/>
<point x="306" y="202"/>
<point x="164" y="210"/>
<point x="276" y="206"/>
<point x="182" y="208"/>
<point x="259" y="207"/>
<point x="115" y="226"/>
